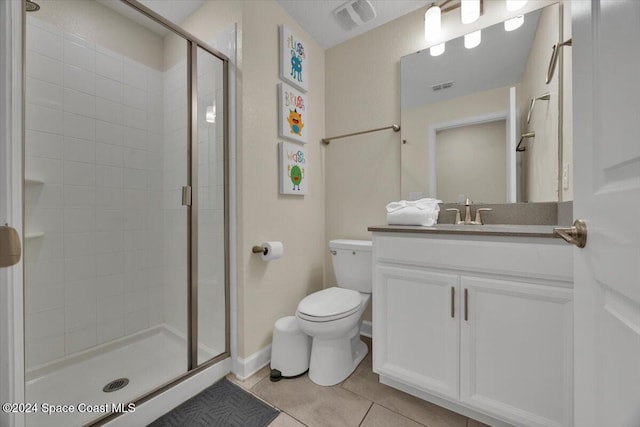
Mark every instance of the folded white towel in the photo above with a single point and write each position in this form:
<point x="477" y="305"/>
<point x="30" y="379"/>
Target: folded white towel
<point x="415" y="212"/>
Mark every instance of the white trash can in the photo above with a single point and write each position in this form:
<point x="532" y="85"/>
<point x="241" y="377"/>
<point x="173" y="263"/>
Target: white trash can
<point x="290" y="349"/>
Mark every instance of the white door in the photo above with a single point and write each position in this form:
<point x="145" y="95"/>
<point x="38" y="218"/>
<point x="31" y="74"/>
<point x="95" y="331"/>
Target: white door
<point x="606" y="76"/>
<point x="417" y="342"/>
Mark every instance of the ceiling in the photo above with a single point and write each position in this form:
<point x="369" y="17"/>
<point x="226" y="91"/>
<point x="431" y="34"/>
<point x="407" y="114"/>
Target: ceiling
<point x="175" y="11"/>
<point x="316" y="17"/>
<point x="498" y="61"/>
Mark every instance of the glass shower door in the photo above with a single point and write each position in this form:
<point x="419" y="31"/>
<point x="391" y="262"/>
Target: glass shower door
<point x="106" y="234"/>
<point x="211" y="290"/>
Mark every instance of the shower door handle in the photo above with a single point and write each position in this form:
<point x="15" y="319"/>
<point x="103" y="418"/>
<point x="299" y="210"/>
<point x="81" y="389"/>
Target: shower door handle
<point x="186" y="195"/>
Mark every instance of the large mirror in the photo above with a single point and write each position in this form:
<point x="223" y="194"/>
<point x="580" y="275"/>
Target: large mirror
<point x="466" y="111"/>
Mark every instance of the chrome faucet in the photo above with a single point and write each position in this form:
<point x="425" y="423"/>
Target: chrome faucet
<point x="467" y="214"/>
<point x="467" y="211"/>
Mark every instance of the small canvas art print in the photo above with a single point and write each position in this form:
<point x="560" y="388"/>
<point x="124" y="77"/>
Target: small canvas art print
<point x="294" y="63"/>
<point x="292" y="117"/>
<point x="294" y="167"/>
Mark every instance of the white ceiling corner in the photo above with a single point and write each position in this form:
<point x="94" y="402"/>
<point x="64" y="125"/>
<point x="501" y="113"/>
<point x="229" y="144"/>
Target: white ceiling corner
<point x="175" y="11"/>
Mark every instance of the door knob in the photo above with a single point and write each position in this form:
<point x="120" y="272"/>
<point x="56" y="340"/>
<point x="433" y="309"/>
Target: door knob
<point x="576" y="234"/>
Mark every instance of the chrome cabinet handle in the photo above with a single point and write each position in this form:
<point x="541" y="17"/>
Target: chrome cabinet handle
<point x="576" y="234"/>
<point x="453" y="302"/>
<point x="466" y="304"/>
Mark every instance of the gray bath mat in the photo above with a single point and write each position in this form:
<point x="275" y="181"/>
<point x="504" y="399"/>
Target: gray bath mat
<point x="222" y="404"/>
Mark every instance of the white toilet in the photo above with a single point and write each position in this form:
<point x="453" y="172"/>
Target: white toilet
<point x="333" y="316"/>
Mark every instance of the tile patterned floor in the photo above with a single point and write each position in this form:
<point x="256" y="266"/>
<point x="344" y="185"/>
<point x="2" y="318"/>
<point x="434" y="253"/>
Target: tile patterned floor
<point x="359" y="401"/>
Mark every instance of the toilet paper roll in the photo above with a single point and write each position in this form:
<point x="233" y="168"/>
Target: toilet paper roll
<point x="272" y="250"/>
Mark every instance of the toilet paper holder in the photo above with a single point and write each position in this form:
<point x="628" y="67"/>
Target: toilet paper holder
<point x="269" y="251"/>
<point x="260" y="250"/>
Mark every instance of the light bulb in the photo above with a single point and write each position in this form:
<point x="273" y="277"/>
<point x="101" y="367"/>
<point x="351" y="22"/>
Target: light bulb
<point x="472" y="40"/>
<point x="469" y="11"/>
<point x="437" y="50"/>
<point x="432" y="23"/>
<point x="515" y="4"/>
<point x="514" y="23"/>
<point x="211" y="114"/>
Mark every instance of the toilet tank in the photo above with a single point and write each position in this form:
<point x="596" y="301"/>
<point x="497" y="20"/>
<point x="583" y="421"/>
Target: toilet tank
<point x="352" y="263"/>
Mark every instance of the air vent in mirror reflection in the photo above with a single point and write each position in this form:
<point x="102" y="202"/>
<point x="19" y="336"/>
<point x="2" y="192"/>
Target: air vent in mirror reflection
<point x="440" y="86"/>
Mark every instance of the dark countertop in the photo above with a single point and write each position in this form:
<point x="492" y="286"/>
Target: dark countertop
<point x="513" y="230"/>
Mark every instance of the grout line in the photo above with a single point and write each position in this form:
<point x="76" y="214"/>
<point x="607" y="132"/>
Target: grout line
<point x="402" y="415"/>
<point x="367" y="413"/>
<point x="390" y="409"/>
<point x="305" y="425"/>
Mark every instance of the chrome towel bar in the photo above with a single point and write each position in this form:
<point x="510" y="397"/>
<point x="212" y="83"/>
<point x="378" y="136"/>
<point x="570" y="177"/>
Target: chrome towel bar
<point x="395" y="127"/>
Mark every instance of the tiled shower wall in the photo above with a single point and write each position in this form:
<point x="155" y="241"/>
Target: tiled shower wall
<point x="175" y="167"/>
<point x="94" y="220"/>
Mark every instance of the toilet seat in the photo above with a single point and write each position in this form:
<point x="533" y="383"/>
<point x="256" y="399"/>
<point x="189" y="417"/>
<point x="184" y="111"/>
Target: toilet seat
<point x="329" y="304"/>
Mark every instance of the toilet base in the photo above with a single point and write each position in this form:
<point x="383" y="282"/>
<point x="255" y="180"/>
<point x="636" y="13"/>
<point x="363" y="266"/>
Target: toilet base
<point x="333" y="360"/>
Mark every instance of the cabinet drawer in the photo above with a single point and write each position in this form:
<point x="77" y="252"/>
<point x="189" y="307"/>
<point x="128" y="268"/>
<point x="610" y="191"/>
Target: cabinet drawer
<point x="540" y="258"/>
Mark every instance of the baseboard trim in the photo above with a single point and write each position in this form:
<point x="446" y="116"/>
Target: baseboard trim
<point x="366" y="329"/>
<point x="245" y="367"/>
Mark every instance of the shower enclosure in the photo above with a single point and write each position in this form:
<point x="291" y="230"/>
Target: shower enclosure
<point x="126" y="206"/>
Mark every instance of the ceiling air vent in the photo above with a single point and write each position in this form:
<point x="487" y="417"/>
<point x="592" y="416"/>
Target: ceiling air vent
<point x="440" y="86"/>
<point x="354" y="13"/>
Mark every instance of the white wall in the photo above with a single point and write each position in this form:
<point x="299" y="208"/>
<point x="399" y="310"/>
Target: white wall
<point x="415" y="126"/>
<point x="472" y="161"/>
<point x="104" y="26"/>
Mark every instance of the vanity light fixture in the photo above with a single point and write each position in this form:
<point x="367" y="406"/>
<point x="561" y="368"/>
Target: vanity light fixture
<point x="211" y="113"/>
<point x="514" y="23"/>
<point x="432" y="23"/>
<point x="436" y="50"/>
<point x="469" y="11"/>
<point x="472" y="40"/>
<point x="515" y="4"/>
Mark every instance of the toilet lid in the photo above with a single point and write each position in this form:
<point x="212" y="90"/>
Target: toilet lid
<point x="330" y="302"/>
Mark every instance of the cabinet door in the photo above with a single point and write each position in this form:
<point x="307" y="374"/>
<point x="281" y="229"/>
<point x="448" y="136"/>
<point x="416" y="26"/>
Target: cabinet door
<point x="516" y="351"/>
<point x="415" y="328"/>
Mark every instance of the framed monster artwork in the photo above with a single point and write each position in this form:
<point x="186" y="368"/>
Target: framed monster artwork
<point x="294" y="62"/>
<point x="294" y="166"/>
<point x="292" y="114"/>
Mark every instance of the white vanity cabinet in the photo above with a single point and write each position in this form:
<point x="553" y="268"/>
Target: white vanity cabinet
<point x="481" y="325"/>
